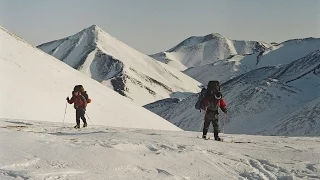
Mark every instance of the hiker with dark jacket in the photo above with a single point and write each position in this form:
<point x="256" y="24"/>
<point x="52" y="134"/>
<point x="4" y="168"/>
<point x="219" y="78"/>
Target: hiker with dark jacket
<point x="211" y="103"/>
<point x="80" y="104"/>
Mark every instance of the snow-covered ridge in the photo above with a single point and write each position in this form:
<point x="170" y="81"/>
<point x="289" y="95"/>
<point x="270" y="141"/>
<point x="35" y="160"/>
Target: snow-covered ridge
<point x="118" y="66"/>
<point x="277" y="55"/>
<point x="299" y="68"/>
<point x="216" y="57"/>
<point x="35" y="86"/>
<point x="202" y="50"/>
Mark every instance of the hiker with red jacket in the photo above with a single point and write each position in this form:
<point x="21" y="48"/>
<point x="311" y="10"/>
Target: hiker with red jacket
<point x="211" y="103"/>
<point x="80" y="104"/>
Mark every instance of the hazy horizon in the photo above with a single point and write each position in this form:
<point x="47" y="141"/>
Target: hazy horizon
<point x="155" y="26"/>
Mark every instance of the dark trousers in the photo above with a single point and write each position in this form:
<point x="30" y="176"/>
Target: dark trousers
<point x="80" y="114"/>
<point x="211" y="116"/>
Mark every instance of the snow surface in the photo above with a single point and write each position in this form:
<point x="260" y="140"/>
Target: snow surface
<point x="259" y="100"/>
<point x="118" y="66"/>
<point x="43" y="150"/>
<point x="35" y="86"/>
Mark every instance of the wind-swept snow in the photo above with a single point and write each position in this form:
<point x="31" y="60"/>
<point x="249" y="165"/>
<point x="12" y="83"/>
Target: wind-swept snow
<point x="42" y="150"/>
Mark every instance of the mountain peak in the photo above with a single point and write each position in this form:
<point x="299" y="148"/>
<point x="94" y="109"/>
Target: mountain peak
<point x="211" y="37"/>
<point x="214" y="35"/>
<point x="120" y="67"/>
<point x="94" y="27"/>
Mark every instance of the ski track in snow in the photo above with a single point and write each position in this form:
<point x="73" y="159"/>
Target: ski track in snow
<point x="44" y="150"/>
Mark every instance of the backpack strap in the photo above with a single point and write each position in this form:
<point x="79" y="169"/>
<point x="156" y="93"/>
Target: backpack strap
<point x="84" y="99"/>
<point x="85" y="95"/>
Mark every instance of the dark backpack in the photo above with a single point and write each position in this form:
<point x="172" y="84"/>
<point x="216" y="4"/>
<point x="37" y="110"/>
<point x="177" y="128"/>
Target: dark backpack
<point x="78" y="88"/>
<point x="201" y="97"/>
<point x="213" y="89"/>
<point x="84" y="93"/>
<point x="213" y="86"/>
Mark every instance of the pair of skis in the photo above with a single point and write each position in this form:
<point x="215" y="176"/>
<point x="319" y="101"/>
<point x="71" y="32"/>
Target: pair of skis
<point x="209" y="137"/>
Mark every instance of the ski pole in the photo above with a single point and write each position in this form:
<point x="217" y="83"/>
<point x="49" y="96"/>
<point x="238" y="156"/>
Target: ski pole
<point x="223" y="123"/>
<point x="225" y="119"/>
<point x="200" y="128"/>
<point x="89" y="118"/>
<point x="202" y="124"/>
<point x="65" y="111"/>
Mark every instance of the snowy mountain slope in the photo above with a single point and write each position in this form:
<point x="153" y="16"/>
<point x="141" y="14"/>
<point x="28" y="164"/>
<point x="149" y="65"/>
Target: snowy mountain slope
<point x="221" y="70"/>
<point x="35" y="86"/>
<point x="300" y="68"/>
<point x="164" y="107"/>
<point x="226" y="62"/>
<point x="167" y="58"/>
<point x="298" y="84"/>
<point x="288" y="51"/>
<point x="280" y="54"/>
<point x="304" y="75"/>
<point x="227" y="69"/>
<point x="202" y="50"/>
<point x="116" y="65"/>
<point x="42" y="150"/>
<point x="305" y="120"/>
<point x="259" y="98"/>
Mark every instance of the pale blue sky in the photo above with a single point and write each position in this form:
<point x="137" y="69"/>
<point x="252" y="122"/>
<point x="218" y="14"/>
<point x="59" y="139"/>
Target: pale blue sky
<point x="152" y="26"/>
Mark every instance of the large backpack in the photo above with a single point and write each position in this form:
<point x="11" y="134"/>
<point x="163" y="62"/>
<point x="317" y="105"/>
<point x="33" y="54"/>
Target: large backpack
<point x="84" y="93"/>
<point x="213" y="88"/>
<point x="201" y="97"/>
<point x="78" y="88"/>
